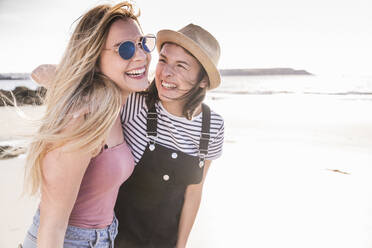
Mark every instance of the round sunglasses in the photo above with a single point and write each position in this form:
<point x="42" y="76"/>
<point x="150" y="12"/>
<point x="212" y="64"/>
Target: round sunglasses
<point x="127" y="49"/>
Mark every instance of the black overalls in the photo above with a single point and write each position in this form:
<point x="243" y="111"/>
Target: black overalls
<point x="150" y="202"/>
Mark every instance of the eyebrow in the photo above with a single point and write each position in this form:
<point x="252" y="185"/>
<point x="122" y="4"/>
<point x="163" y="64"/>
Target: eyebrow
<point x="117" y="44"/>
<point x="120" y="42"/>
<point x="178" y="61"/>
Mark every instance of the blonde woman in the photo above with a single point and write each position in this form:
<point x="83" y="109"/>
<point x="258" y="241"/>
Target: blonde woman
<point x="78" y="159"/>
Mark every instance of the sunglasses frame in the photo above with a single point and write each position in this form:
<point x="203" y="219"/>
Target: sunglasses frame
<point x="135" y="43"/>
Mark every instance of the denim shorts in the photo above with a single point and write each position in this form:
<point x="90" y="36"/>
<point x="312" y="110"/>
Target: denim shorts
<point x="77" y="237"/>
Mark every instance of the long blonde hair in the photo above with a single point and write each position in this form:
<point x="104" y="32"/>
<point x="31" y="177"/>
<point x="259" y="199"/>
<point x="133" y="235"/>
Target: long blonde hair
<point x="79" y="87"/>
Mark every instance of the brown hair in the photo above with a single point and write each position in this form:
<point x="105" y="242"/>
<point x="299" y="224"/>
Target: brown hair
<point x="194" y="97"/>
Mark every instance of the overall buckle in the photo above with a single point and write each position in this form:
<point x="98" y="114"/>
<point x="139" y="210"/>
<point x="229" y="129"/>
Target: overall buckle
<point x="152" y="139"/>
<point x="205" y="136"/>
<point x="201" y="159"/>
<point x="152" y="115"/>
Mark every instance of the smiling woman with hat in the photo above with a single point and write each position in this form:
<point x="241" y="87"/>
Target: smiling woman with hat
<point x="174" y="137"/>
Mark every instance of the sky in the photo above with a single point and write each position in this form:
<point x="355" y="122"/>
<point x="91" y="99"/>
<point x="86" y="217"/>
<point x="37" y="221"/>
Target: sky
<point x="320" y="36"/>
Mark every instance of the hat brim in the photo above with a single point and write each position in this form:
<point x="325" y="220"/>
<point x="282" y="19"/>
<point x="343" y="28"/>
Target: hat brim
<point x="182" y="40"/>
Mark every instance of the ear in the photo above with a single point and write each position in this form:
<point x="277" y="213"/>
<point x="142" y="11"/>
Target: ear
<point x="204" y="82"/>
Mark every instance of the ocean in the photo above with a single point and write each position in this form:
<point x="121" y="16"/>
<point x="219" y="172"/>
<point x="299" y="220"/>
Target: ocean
<point x="324" y="85"/>
<point x="265" y="85"/>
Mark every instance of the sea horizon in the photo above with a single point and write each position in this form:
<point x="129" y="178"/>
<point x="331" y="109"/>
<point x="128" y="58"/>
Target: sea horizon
<point x="267" y="84"/>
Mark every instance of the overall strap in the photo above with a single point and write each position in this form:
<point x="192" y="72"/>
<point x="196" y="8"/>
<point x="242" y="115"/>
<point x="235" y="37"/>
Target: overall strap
<point x="205" y="134"/>
<point x="152" y="122"/>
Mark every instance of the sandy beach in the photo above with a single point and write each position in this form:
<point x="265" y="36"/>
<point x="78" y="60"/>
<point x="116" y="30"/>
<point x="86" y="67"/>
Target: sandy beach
<point x="16" y="210"/>
<point x="295" y="172"/>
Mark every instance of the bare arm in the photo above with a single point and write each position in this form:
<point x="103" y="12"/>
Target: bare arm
<point x="190" y="208"/>
<point x="62" y="175"/>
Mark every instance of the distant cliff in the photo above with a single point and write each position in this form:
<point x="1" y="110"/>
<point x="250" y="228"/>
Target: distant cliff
<point x="14" y="76"/>
<point x="263" y="72"/>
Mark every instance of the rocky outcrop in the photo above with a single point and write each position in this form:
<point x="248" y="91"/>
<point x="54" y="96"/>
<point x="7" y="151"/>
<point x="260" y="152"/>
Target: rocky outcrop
<point x="22" y="96"/>
<point x="262" y="72"/>
<point x="7" y="152"/>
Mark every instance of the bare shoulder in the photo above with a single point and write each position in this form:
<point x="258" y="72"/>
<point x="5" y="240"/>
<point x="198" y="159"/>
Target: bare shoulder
<point x="63" y="161"/>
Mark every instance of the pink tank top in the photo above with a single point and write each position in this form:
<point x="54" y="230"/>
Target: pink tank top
<point x="94" y="206"/>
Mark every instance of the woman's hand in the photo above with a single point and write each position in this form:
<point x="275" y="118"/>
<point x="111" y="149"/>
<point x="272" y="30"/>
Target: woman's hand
<point x="44" y="74"/>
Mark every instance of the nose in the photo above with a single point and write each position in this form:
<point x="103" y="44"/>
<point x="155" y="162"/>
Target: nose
<point x="139" y="54"/>
<point x="167" y="70"/>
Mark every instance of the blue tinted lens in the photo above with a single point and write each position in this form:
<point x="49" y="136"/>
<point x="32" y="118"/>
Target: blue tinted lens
<point x="145" y="45"/>
<point x="148" y="43"/>
<point x="127" y="50"/>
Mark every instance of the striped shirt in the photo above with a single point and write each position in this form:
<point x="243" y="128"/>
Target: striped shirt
<point x="173" y="132"/>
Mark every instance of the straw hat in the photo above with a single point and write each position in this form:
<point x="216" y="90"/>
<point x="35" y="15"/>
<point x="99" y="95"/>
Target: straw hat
<point x="199" y="43"/>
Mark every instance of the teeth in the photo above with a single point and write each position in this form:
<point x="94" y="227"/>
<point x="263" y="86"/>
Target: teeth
<point x="136" y="72"/>
<point x="168" y="85"/>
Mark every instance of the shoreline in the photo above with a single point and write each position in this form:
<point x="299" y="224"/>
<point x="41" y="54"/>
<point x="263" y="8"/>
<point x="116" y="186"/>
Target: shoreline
<point x="284" y="71"/>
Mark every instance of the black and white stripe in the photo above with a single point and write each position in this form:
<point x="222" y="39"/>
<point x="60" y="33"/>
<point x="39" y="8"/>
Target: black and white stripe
<point x="173" y="132"/>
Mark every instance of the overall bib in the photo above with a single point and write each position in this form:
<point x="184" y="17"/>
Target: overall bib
<point x="149" y="203"/>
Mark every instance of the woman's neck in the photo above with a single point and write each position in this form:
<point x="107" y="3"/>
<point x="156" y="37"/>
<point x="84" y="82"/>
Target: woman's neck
<point x="176" y="109"/>
<point x="124" y="96"/>
<point x="173" y="108"/>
